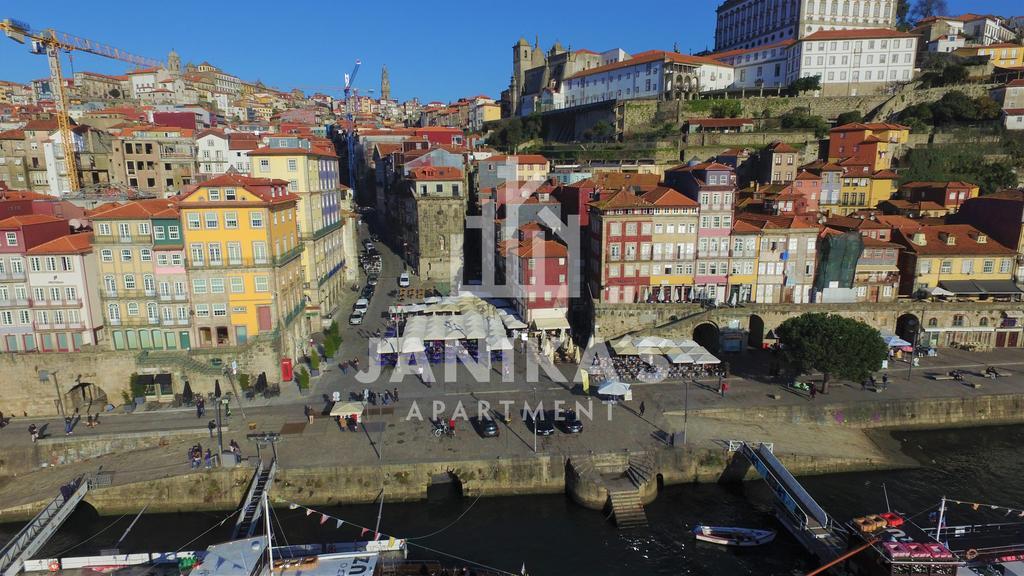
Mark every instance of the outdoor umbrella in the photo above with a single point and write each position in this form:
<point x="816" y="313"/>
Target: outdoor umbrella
<point x="186" y="393"/>
<point x="893" y="341"/>
<point x="216" y="389"/>
<point x="613" y="388"/>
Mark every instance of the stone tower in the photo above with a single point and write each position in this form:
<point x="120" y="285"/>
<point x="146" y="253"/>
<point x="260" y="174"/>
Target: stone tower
<point x="173" y="62"/>
<point x="522" y="60"/>
<point x="385" y="84"/>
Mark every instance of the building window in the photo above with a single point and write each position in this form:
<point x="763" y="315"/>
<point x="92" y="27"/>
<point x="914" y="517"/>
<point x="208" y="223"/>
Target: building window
<point x="216" y="285"/>
<point x="220" y="310"/>
<point x="193" y="221"/>
<point x="211" y="220"/>
<point x="126" y="255"/>
<point x="237" y="284"/>
<point x="988" y="266"/>
<point x="12" y="238"/>
<point x="256" y="219"/>
<point x="946" y="267"/>
<point x="958" y="320"/>
<point x="262" y="283"/>
<point x="129" y="282"/>
<point x="145" y="254"/>
<point x="231" y="220"/>
<point x="293" y="165"/>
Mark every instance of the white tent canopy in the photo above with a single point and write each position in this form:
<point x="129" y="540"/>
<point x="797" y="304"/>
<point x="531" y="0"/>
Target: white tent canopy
<point x="613" y="388"/>
<point x="683" y="351"/>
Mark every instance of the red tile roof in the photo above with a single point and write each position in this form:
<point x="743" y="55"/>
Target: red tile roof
<point x="290" y="152"/>
<point x="651" y="56"/>
<point x="622" y="199"/>
<point x="258" y="186"/>
<point x="70" y="244"/>
<point x="542" y="249"/>
<point x="1018" y="83"/>
<point x="965" y="241"/>
<point x="519" y="159"/>
<point x="782" y="148"/>
<point x="28" y="220"/>
<point x="137" y="210"/>
<point x="435" y="173"/>
<point x="858" y="33"/>
<point x="664" y="196"/>
<point x="1014" y="111"/>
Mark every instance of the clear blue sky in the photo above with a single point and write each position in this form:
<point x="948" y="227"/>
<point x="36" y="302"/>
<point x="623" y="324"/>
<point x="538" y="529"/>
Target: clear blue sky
<point x="433" y="50"/>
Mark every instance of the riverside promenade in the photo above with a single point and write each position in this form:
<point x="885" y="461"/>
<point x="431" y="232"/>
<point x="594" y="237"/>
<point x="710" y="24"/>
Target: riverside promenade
<point x="146" y="450"/>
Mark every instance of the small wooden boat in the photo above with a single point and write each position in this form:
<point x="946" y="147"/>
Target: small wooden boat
<point x="733" y="536"/>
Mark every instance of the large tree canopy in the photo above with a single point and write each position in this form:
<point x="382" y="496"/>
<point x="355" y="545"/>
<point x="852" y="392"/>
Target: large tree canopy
<point x="831" y="344"/>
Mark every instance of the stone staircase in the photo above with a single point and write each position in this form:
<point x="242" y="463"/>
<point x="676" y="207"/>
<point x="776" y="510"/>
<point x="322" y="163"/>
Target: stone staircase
<point x="627" y="508"/>
<point x="640" y="470"/>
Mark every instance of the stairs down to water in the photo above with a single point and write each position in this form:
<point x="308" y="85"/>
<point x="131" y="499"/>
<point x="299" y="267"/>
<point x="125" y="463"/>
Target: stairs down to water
<point x="627" y="508"/>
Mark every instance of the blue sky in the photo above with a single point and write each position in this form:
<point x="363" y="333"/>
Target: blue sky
<point x="433" y="50"/>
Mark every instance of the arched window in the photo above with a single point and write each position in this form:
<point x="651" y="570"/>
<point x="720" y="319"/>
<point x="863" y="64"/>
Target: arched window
<point x="983" y="322"/>
<point x="933" y="322"/>
<point x="113" y="312"/>
<point x="958" y="320"/>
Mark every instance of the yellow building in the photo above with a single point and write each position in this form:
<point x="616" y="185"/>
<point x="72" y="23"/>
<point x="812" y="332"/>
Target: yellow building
<point x="743" y="262"/>
<point x="1001" y="55"/>
<point x="954" y="259"/>
<point x="862" y="189"/>
<point x="243" y="260"/>
<point x="673" y="242"/>
<point x="324" y="219"/>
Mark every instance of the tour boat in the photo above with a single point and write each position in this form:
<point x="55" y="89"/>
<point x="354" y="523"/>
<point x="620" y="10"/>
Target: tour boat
<point x="733" y="536"/>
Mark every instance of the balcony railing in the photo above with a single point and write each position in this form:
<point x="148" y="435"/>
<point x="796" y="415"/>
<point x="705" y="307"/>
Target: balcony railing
<point x="44" y="326"/>
<point x="299" y="308"/>
<point x="288" y="256"/>
<point x="229" y="263"/>
<point x="114" y="321"/>
<point x="62" y="303"/>
<point x="15" y="303"/>
<point x="12" y="275"/>
<point x="180" y="296"/>
<point x="164" y="297"/>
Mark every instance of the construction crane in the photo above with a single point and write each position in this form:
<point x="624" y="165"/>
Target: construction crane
<point x="52" y="43"/>
<point x="350" y="136"/>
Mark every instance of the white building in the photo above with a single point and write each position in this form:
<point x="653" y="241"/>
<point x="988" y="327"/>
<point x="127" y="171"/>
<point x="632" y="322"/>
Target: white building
<point x="1013" y="118"/>
<point x="62" y="278"/>
<point x="986" y="29"/>
<point x="752" y="23"/>
<point x="219" y="151"/>
<point x="760" y="67"/>
<point x="854" y="62"/>
<point x="651" y="74"/>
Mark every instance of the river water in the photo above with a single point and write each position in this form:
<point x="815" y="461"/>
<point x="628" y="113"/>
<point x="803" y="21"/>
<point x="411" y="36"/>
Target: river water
<point x="551" y="535"/>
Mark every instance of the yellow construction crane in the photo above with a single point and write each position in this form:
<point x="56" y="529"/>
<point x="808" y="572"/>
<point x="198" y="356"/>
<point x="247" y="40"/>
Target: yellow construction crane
<point x="52" y="43"/>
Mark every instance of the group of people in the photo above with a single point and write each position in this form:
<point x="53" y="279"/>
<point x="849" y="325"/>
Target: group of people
<point x="385" y="398"/>
<point x="198" y="457"/>
<point x="345" y="365"/>
<point x="636" y="369"/>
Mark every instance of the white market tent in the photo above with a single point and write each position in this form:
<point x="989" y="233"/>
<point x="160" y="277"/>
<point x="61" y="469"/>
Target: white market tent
<point x="450" y="328"/>
<point x="677" y="351"/>
<point x="613" y="388"/>
<point x="347" y="409"/>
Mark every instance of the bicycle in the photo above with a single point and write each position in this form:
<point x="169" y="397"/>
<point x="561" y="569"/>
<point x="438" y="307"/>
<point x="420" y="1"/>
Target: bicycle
<point x="444" y="430"/>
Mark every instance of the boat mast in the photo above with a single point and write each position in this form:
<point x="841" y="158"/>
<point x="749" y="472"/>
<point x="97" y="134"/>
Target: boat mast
<point x="270" y="545"/>
<point x="942" y="519"/>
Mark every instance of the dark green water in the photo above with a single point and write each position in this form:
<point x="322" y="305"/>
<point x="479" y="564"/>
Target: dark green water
<point x="554" y="536"/>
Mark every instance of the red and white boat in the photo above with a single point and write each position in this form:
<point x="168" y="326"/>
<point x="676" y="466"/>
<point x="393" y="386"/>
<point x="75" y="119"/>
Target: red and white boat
<point x="726" y="536"/>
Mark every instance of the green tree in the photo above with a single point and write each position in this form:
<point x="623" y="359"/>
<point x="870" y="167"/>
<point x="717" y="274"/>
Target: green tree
<point x="314" y="360"/>
<point x="954" y="74"/>
<point x="805" y="84"/>
<point x="601" y="131"/>
<point x="849" y="117"/>
<point x="303" y="379"/>
<point x="726" y="109"/>
<point x="831" y="344"/>
<point x="926" y="8"/>
<point x="903" y="15"/>
<point x="801" y="120"/>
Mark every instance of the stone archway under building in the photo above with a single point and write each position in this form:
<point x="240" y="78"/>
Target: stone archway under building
<point x="708" y="335"/>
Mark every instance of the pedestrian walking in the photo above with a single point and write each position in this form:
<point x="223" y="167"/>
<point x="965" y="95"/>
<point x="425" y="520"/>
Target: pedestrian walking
<point x="642" y="408"/>
<point x="69" y="425"/>
<point x="814" y="390"/>
<point x="211" y="425"/>
<point x="725" y="388"/>
<point x="33" y="431"/>
<point x="208" y="458"/>
<point x="200" y="407"/>
<point x="309" y="413"/>
<point x="885" y="381"/>
<point x="394" y="393"/>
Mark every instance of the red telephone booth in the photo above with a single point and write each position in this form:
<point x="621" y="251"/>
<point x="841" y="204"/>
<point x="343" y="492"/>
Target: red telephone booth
<point x="286" y="370"/>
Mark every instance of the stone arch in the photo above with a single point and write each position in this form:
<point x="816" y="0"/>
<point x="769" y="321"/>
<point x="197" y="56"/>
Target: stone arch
<point x="755" y="331"/>
<point x="908" y="326"/>
<point x="707" y="335"/>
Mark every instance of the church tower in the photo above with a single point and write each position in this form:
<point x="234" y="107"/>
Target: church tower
<point x="173" y="63"/>
<point x="385" y="84"/>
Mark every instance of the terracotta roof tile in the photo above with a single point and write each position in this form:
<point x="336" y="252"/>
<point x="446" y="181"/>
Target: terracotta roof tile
<point x="70" y="244"/>
<point x="858" y="33"/>
<point x="28" y="220"/>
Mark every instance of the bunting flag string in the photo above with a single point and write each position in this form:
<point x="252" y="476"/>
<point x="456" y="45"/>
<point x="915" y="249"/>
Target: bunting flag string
<point x="339" y="522"/>
<point x="981" y="506"/>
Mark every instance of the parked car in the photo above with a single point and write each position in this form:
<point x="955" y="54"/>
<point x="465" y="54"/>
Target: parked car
<point x="542" y="425"/>
<point x="487" y="427"/>
<point x="403" y="280"/>
<point x="372" y="279"/>
<point x="361" y="305"/>
<point x="356" y="317"/>
<point x="367" y="244"/>
<point x="367" y="292"/>
<point x="569" y="422"/>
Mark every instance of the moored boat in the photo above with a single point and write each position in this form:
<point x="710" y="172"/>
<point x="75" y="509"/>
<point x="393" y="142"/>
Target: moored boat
<point x="728" y="536"/>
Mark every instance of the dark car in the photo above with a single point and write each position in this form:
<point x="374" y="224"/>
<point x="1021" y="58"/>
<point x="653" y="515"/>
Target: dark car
<point x="367" y="292"/>
<point x="372" y="279"/>
<point x="487" y="427"/>
<point x="569" y="422"/>
<point x="542" y="425"/>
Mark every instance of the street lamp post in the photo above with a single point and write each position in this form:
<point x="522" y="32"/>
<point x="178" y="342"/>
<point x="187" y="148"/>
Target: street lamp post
<point x="686" y="408"/>
<point x="220" y="432"/>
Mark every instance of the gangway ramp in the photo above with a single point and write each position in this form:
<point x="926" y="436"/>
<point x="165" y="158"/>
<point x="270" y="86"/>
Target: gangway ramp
<point x="252" y="506"/>
<point x="798" y="511"/>
<point x="36" y="533"/>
